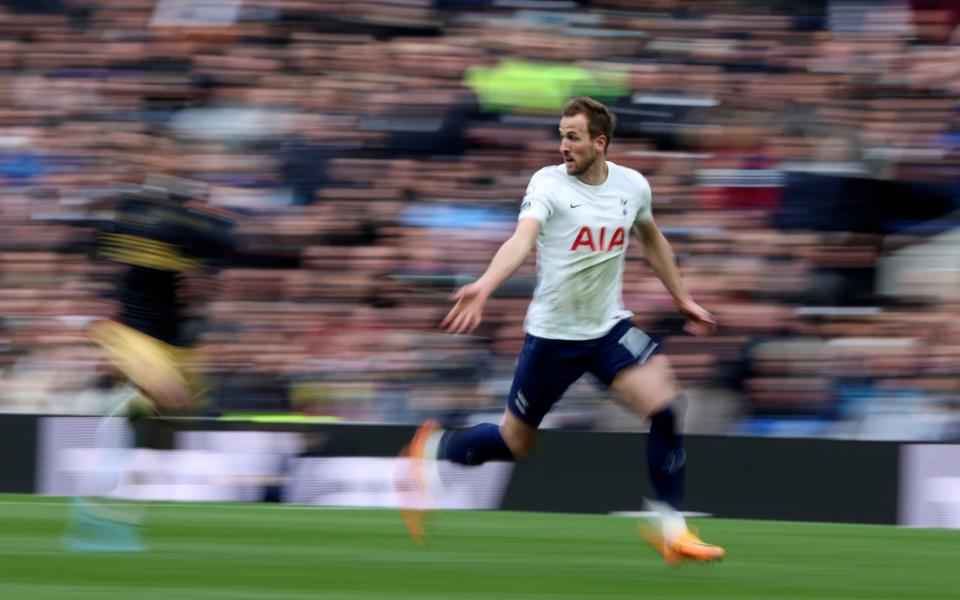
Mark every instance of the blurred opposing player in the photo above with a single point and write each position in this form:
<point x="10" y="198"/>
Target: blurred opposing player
<point x="579" y="215"/>
<point x="167" y="239"/>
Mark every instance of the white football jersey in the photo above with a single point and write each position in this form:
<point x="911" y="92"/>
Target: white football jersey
<point x="583" y="241"/>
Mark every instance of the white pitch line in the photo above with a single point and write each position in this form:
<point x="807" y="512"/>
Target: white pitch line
<point x="650" y="513"/>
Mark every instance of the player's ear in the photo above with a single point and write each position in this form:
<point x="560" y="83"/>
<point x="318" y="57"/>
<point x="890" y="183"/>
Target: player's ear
<point x="602" y="142"/>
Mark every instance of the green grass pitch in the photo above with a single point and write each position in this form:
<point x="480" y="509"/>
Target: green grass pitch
<point x="229" y="551"/>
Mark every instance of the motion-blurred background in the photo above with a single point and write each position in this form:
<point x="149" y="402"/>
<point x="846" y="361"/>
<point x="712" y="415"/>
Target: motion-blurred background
<point x="804" y="158"/>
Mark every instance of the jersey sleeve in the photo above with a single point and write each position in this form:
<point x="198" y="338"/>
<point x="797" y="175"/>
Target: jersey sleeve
<point x="537" y="200"/>
<point x="645" y="213"/>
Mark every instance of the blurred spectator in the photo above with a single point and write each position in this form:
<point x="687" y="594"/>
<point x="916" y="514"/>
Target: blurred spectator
<point x="804" y="162"/>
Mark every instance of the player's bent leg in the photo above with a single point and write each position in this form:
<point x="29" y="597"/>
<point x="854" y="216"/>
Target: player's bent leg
<point x="651" y="390"/>
<point x="418" y="478"/>
<point x="545" y="369"/>
<point x="510" y="440"/>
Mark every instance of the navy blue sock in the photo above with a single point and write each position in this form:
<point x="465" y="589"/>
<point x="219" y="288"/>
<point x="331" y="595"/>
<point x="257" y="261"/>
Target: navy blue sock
<point x="475" y="446"/>
<point x="666" y="457"/>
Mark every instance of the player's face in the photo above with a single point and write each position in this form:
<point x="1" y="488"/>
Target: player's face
<point x="579" y="151"/>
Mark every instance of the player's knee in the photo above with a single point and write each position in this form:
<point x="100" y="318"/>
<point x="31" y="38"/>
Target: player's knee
<point x="521" y="443"/>
<point x="521" y="449"/>
<point x="650" y="388"/>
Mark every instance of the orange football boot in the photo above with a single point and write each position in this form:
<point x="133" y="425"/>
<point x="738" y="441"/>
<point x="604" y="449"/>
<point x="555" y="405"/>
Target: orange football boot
<point x="414" y="486"/>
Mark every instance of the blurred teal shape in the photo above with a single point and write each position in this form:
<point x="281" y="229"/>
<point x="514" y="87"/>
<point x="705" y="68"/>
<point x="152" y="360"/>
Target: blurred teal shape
<point x="516" y="85"/>
<point x="93" y="529"/>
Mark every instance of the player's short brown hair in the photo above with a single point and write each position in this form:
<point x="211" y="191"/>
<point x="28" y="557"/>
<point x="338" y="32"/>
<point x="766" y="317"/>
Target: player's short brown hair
<point x="600" y="120"/>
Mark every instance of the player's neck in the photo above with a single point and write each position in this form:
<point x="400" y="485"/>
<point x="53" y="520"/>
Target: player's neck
<point x="597" y="174"/>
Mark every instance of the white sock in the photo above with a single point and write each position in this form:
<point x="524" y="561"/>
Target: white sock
<point x="672" y="523"/>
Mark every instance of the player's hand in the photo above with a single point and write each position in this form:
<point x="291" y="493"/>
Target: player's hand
<point x="467" y="313"/>
<point x="699" y="319"/>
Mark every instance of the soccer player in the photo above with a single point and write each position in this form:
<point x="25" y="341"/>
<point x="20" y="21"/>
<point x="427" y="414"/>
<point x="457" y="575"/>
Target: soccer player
<point x="579" y="214"/>
<point x="166" y="239"/>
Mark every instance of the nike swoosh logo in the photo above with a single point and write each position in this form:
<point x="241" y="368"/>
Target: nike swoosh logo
<point x="572" y="205"/>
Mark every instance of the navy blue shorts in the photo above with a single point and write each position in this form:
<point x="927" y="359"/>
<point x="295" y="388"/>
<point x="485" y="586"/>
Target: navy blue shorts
<point x="548" y="367"/>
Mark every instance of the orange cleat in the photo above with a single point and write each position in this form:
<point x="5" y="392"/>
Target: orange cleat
<point x="687" y="546"/>
<point x="654" y="537"/>
<point x="690" y="546"/>
<point x="415" y="482"/>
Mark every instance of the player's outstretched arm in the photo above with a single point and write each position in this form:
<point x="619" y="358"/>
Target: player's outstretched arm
<point x="663" y="261"/>
<point x="470" y="300"/>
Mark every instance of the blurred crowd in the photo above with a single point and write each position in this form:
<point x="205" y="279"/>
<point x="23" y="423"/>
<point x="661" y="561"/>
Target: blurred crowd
<point x="804" y="159"/>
